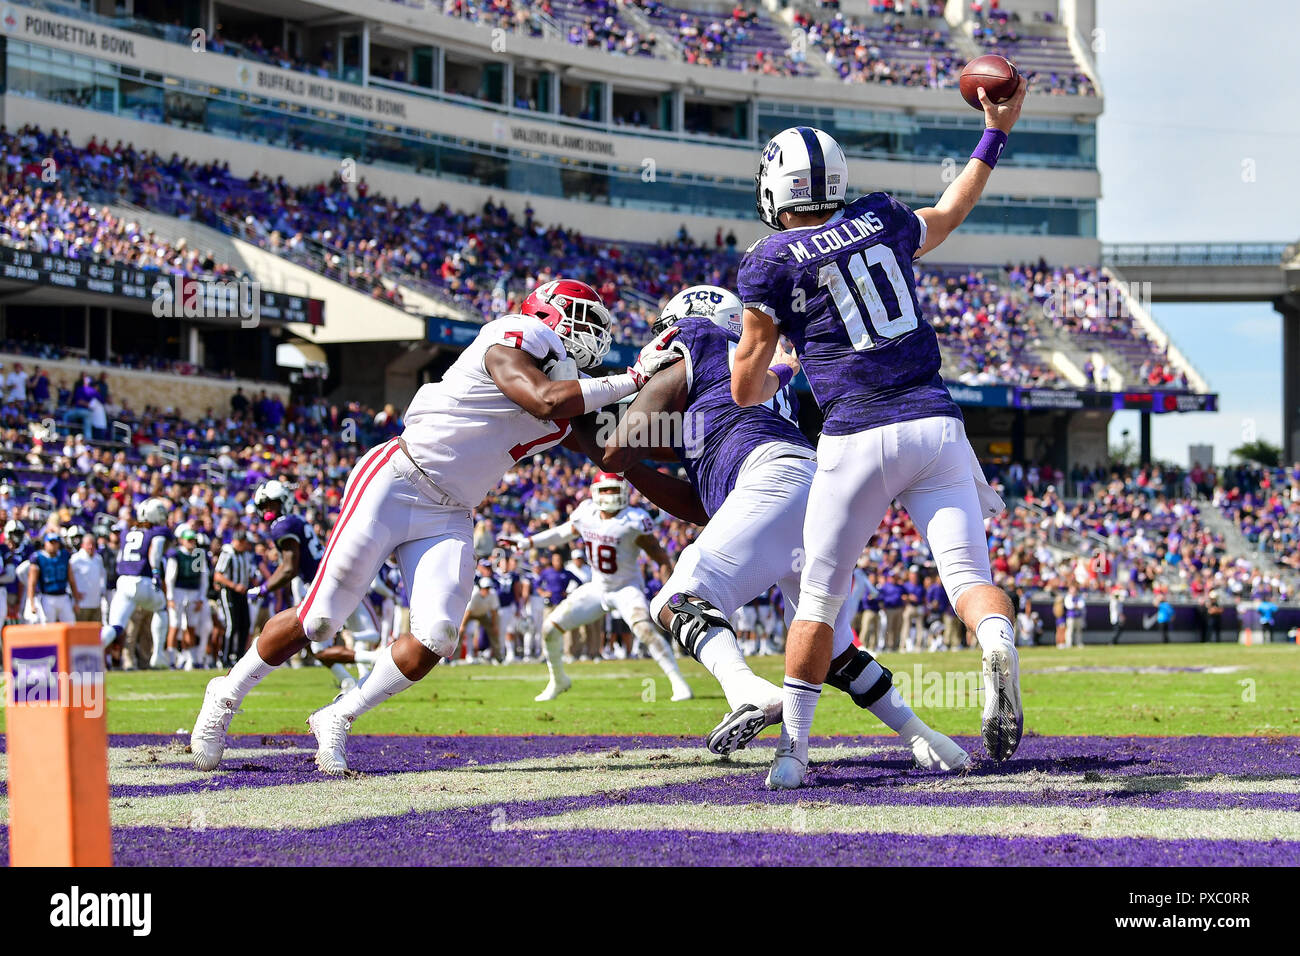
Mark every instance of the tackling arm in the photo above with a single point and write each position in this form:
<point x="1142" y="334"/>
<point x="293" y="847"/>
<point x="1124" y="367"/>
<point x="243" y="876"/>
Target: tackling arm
<point x="665" y="392"/>
<point x="520" y="379"/>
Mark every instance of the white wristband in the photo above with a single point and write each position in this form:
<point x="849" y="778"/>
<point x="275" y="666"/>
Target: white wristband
<point x="599" y="392"/>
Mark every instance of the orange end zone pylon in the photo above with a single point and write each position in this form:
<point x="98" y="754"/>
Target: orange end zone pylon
<point x="57" y="743"/>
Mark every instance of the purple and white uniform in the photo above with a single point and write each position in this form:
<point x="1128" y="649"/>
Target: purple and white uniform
<point x="844" y="293"/>
<point x="293" y="527"/>
<point x="140" y="566"/>
<point x="718" y="434"/>
<point x="752" y="469"/>
<point x="311" y="549"/>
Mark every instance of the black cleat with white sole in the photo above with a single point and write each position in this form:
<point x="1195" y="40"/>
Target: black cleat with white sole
<point x="1004" y="718"/>
<point x="738" y="728"/>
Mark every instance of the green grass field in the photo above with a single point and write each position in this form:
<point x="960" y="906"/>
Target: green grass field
<point x="1145" y="690"/>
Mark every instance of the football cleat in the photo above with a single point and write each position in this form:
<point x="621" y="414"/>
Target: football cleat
<point x="790" y="765"/>
<point x="330" y="726"/>
<point x="934" y="751"/>
<point x="208" y="739"/>
<point x="1004" y="718"/>
<point x="741" y="726"/>
<point x="553" y="690"/>
<point x="681" y="689"/>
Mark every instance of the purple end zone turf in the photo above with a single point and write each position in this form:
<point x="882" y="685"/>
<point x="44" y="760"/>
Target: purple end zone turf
<point x="465" y="835"/>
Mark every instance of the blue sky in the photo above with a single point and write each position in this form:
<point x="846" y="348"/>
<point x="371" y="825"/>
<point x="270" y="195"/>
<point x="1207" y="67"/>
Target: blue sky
<point x="1193" y="90"/>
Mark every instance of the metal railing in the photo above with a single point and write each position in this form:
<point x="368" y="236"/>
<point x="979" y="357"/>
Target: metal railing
<point x="1193" y="254"/>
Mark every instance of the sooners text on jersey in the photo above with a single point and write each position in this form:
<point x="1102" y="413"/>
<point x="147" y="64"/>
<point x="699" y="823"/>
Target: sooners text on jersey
<point x="610" y="542"/>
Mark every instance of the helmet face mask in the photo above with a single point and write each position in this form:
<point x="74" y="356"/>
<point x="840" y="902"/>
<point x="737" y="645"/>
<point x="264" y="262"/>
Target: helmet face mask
<point x="610" y="493"/>
<point x="801" y="170"/>
<point x="578" y="316"/>
<point x="721" y="307"/>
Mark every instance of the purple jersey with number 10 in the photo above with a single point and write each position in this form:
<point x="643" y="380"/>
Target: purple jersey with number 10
<point x="718" y="434"/>
<point x="310" y="550"/>
<point x="845" y="295"/>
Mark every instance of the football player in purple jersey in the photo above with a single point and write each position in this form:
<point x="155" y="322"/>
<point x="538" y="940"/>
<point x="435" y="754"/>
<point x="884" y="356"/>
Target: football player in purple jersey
<point x="301" y="551"/>
<point x="836" y="279"/>
<point x="750" y="471"/>
<point x="140" y="570"/>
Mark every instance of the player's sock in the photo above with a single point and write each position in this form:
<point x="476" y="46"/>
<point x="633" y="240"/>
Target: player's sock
<point x="108" y="634"/>
<point x="891" y="710"/>
<point x="995" y="631"/>
<point x="554" y="639"/>
<point x="719" y="652"/>
<point x="799" y="707"/>
<point x="385" y="680"/>
<point x="246" y="673"/>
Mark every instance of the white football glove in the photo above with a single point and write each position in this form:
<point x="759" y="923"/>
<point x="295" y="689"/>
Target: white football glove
<point x="254" y="592"/>
<point x="657" y="355"/>
<point x="562" y="370"/>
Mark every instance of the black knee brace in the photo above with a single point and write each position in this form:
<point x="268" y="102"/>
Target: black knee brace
<point x="846" y="675"/>
<point x="692" y="618"/>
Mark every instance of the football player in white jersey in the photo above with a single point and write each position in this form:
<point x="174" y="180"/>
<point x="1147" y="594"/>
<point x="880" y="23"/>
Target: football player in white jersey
<point x="510" y="394"/>
<point x="614" y="535"/>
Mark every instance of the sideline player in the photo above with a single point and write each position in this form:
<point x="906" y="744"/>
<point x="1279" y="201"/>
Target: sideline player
<point x="185" y="586"/>
<point x="510" y="394"/>
<point x="750" y="469"/>
<point x="614" y="534"/>
<point x="837" y="280"/>
<point x="51" y="592"/>
<point x="139" y="573"/>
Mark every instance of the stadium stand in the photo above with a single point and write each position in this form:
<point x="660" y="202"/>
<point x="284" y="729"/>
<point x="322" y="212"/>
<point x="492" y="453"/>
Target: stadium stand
<point x="993" y="327"/>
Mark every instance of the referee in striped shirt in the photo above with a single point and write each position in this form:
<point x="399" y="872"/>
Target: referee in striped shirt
<point x="233" y="575"/>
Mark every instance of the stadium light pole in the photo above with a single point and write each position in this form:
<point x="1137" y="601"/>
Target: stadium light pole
<point x="1289" y="308"/>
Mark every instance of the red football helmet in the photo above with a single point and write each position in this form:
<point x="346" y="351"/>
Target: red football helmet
<point x="576" y="313"/>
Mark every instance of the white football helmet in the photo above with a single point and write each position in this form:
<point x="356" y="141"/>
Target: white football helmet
<point x="609" y="491"/>
<point x="273" y="491"/>
<point x="724" y="309"/>
<point x="15" y="532"/>
<point x="801" y="170"/>
<point x="153" y="511"/>
<point x="72" y="536"/>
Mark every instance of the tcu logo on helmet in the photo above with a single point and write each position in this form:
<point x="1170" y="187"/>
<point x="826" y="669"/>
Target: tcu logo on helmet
<point x="720" y="306"/>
